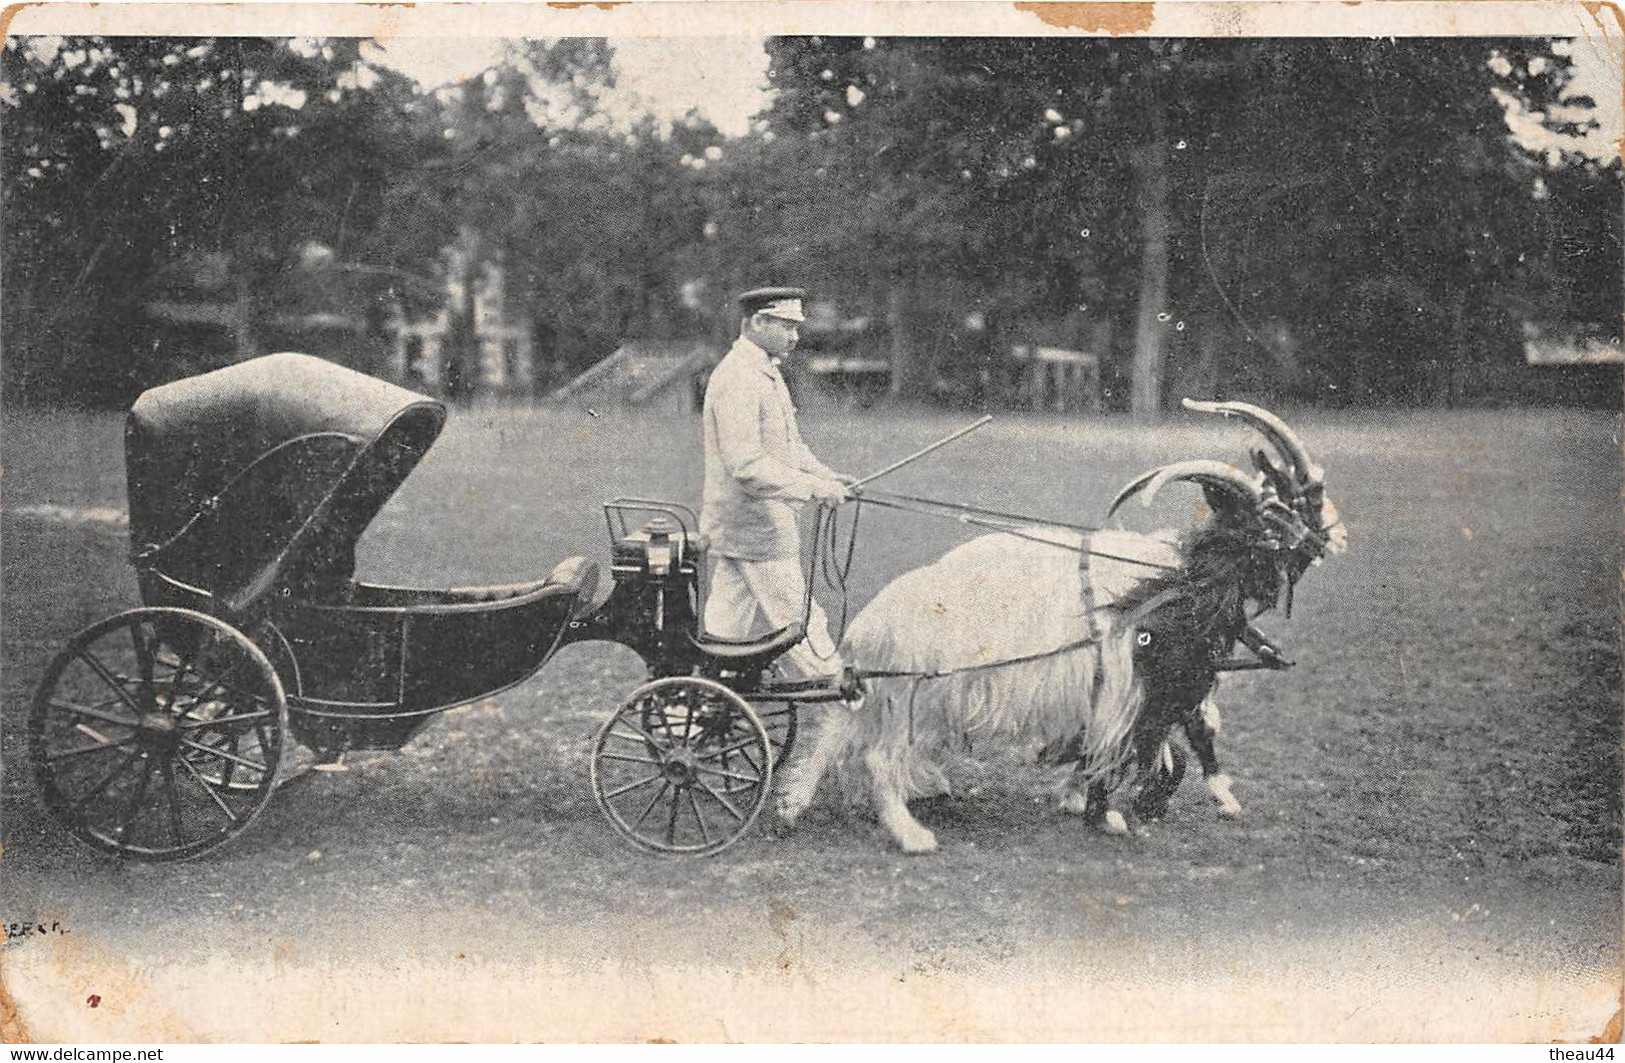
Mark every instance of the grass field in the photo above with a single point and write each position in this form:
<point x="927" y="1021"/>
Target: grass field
<point x="1433" y="795"/>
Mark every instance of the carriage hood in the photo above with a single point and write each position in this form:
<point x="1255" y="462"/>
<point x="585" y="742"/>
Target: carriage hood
<point x="260" y="477"/>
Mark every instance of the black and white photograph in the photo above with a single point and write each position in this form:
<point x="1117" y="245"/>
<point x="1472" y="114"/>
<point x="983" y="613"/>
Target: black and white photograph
<point x="766" y="523"/>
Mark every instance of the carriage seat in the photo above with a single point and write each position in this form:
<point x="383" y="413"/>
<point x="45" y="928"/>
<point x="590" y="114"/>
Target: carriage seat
<point x="499" y="592"/>
<point x="766" y="647"/>
<point x="568" y="575"/>
<point x="575" y="576"/>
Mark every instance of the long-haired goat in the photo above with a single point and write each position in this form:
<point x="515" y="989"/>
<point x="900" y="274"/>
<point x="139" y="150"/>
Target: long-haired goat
<point x="1140" y="625"/>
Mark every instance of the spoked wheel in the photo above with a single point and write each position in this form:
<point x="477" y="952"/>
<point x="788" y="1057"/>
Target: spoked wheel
<point x="779" y="718"/>
<point x="684" y="766"/>
<point x="156" y="734"/>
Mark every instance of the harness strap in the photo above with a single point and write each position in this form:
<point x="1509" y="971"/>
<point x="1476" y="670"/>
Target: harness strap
<point x="1087" y="582"/>
<point x="1086" y="579"/>
<point x="930" y="673"/>
<point x="1153" y="603"/>
<point x="923" y="674"/>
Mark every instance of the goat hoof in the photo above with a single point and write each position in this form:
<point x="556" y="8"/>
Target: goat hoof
<point x="784" y="819"/>
<point x="1150" y="807"/>
<point x="787" y="812"/>
<point x="1113" y="823"/>
<point x="1219" y="787"/>
<point x="918" y="844"/>
<point x="1074" y="804"/>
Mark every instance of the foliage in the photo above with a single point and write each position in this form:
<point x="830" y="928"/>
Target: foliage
<point x="125" y="155"/>
<point x="1340" y="220"/>
<point x="1360" y="201"/>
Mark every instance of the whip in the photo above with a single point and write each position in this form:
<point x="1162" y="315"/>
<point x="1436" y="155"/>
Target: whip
<point x="918" y="454"/>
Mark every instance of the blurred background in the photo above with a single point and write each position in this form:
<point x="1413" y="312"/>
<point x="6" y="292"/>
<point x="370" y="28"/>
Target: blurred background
<point x="1073" y="225"/>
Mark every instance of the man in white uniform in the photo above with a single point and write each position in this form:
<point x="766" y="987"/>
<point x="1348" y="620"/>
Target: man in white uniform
<point x="758" y="476"/>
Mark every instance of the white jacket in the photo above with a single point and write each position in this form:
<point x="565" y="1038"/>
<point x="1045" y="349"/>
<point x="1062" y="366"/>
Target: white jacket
<point x="758" y="472"/>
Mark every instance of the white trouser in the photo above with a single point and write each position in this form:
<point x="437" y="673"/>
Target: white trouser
<point x="748" y="599"/>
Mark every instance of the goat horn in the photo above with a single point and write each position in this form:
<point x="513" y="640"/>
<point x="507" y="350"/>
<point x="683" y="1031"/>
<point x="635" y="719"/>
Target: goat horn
<point x="1283" y="438"/>
<point x="1132" y="488"/>
<point x="1204" y="471"/>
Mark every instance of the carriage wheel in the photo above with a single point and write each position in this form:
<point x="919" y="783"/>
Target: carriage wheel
<point x="779" y="719"/>
<point x="156" y="734"/>
<point x="684" y="766"/>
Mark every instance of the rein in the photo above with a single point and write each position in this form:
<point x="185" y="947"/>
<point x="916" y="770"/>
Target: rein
<point x="996" y="520"/>
<point x="827" y="546"/>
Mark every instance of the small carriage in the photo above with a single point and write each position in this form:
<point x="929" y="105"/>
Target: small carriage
<point x="161" y="732"/>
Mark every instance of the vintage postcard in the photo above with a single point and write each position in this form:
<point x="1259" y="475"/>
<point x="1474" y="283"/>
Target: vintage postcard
<point x="811" y="522"/>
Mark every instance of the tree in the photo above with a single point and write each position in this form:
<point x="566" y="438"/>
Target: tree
<point x="317" y="173"/>
<point x="594" y="223"/>
<point x="1320" y="185"/>
<point x="124" y="154"/>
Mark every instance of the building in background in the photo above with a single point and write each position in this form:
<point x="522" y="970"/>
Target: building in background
<point x="1056" y="379"/>
<point x="455" y="335"/>
<point x="846" y="358"/>
<point x="203" y="311"/>
<point x="666" y="375"/>
<point x="473" y="342"/>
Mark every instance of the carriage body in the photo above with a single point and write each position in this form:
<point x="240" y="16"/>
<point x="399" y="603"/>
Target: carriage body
<point x="162" y="732"/>
<point x="249" y="488"/>
<point x="366" y="667"/>
<point x="367" y="672"/>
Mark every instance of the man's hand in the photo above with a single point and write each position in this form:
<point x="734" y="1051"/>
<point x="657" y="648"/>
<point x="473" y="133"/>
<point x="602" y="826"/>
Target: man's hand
<point x="831" y="491"/>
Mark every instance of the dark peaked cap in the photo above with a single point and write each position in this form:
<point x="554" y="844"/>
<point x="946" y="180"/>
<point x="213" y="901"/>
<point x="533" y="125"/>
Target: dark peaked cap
<point x="779" y="302"/>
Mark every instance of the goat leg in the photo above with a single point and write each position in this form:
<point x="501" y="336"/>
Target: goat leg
<point x="1268" y="653"/>
<point x="1094" y="805"/>
<point x="1201" y="728"/>
<point x="800" y="779"/>
<point x="1160" y="778"/>
<point x="892" y="807"/>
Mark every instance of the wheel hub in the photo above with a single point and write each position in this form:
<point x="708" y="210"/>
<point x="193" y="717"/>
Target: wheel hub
<point x="159" y="730"/>
<point x="680" y="767"/>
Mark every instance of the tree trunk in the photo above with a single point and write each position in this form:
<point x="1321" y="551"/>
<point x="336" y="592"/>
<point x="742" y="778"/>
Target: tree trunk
<point x="246" y="342"/>
<point x="1151" y="182"/>
<point x="1207" y="372"/>
<point x="1457" y="353"/>
<point x="905" y="370"/>
<point x="461" y="369"/>
<point x="1100" y="345"/>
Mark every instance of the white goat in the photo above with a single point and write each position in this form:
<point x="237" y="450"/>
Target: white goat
<point x="1091" y="646"/>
